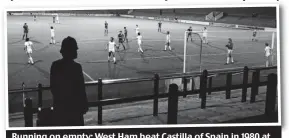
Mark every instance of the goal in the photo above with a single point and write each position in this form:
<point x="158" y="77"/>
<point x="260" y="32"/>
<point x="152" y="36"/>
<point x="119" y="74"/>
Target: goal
<point x="198" y="55"/>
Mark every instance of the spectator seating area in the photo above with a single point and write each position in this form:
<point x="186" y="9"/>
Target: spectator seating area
<point x="252" y="16"/>
<point x="87" y="11"/>
<point x="260" y="16"/>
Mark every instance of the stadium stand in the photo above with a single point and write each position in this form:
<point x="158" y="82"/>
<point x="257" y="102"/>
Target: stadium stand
<point x="249" y="16"/>
<point x="86" y="11"/>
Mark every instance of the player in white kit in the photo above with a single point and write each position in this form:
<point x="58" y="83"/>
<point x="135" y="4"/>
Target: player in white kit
<point x="28" y="49"/>
<point x="105" y="28"/>
<point x="230" y="47"/>
<point x="139" y="42"/>
<point x="205" y="35"/>
<point x="267" y="55"/>
<point x="57" y="18"/>
<point x="52" y="40"/>
<point x="168" y="41"/>
<point x="111" y="49"/>
<point x="137" y="30"/>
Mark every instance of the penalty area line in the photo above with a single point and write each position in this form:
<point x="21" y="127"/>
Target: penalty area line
<point x="91" y="79"/>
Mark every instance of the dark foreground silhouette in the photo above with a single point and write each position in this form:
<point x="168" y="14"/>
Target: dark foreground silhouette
<point x="67" y="87"/>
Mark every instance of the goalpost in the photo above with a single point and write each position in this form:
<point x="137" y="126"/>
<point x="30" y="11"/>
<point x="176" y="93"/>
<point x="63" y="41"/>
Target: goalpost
<point x="221" y="37"/>
<point x="197" y="37"/>
<point x="218" y="40"/>
<point x="196" y="80"/>
<point x="272" y="47"/>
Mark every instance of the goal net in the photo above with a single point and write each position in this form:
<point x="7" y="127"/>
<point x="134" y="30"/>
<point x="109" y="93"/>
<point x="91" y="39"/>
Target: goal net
<point x="210" y="54"/>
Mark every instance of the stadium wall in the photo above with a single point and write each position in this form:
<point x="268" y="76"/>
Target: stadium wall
<point x="234" y="26"/>
<point x="62" y="14"/>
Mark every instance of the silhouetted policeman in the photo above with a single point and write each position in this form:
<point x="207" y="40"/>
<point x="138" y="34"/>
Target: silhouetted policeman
<point x="67" y="87"/>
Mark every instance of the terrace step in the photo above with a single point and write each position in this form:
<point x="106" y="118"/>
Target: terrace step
<point x="218" y="110"/>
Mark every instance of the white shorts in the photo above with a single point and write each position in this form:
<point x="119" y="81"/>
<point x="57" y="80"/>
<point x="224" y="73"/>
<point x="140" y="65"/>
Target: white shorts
<point x="139" y="42"/>
<point x="168" y="42"/>
<point x="29" y="51"/>
<point x="205" y="36"/>
<point x="111" y="50"/>
<point x="53" y="36"/>
<point x="268" y="55"/>
<point x="230" y="51"/>
<point x="136" y="32"/>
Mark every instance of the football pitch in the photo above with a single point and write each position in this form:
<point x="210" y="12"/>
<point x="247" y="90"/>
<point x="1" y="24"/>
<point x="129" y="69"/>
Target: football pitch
<point x="89" y="33"/>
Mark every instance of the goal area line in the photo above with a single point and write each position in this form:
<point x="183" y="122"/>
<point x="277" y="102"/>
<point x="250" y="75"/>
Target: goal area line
<point x="213" y="70"/>
<point x="174" y="56"/>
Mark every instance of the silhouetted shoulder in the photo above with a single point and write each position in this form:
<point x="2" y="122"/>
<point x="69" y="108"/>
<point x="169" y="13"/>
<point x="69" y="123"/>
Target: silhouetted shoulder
<point x="56" y="62"/>
<point x="78" y="64"/>
<point x="63" y="66"/>
<point x="62" y="62"/>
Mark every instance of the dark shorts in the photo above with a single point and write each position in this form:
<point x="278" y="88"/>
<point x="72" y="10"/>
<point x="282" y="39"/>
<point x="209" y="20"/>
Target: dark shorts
<point x="105" y="27"/>
<point x="110" y="53"/>
<point x="120" y="41"/>
<point x="25" y="32"/>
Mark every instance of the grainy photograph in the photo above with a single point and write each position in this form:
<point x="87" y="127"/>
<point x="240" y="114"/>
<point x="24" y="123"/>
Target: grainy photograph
<point x="92" y="67"/>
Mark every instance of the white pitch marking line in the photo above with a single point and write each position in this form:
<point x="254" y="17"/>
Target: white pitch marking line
<point x="88" y="76"/>
<point x="160" y="57"/>
<point x="111" y="80"/>
<point x="211" y="37"/>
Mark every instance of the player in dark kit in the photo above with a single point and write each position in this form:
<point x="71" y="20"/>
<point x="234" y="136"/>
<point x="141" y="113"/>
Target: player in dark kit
<point x="125" y="35"/>
<point x="25" y="29"/>
<point x="34" y="18"/>
<point x="53" y="18"/>
<point x="229" y="46"/>
<point x="160" y="26"/>
<point x="105" y="28"/>
<point x="120" y="40"/>
<point x="254" y="35"/>
<point x="190" y="34"/>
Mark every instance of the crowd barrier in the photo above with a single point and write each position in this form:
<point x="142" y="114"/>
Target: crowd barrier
<point x="173" y="94"/>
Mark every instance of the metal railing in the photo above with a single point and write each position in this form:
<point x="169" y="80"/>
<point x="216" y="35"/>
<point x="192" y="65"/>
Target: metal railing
<point x="205" y="88"/>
